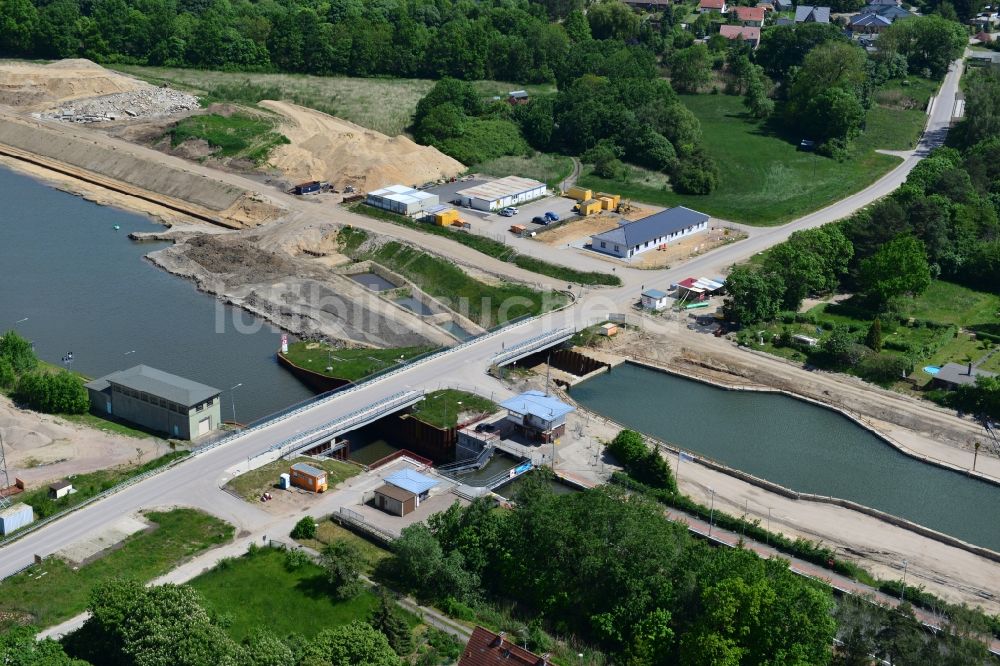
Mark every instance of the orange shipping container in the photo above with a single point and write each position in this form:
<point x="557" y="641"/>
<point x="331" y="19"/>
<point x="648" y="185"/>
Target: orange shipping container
<point x="308" y="477"/>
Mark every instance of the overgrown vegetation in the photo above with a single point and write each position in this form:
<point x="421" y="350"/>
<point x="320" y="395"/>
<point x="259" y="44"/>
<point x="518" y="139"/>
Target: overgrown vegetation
<point x="236" y="135"/>
<point x="36" y="385"/>
<point x="489" y="247"/>
<point x="63" y="590"/>
<point x="441" y="408"/>
<point x="349" y="364"/>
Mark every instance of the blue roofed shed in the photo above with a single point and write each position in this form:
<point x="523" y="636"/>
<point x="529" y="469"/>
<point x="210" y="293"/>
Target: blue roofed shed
<point x="414" y="482"/>
<point x="537" y="415"/>
<point x="654" y="299"/>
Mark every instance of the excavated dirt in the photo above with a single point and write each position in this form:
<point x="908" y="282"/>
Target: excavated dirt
<point x="235" y="255"/>
<point x="30" y="86"/>
<point x="327" y="148"/>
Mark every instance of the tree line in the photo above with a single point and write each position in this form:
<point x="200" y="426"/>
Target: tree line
<point x="53" y="392"/>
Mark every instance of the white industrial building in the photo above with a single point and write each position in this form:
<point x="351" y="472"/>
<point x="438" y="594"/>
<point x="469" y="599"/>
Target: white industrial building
<point x="497" y="194"/>
<point x="402" y="200"/>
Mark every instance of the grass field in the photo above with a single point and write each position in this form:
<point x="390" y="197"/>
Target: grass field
<point x="328" y="531"/>
<point x="951" y="303"/>
<point x="549" y="168"/>
<point x="384" y="105"/>
<point x="251" y="485"/>
<point x="259" y="590"/>
<point x="765" y="180"/>
<point x="349" y="364"/>
<point x="486" y="304"/>
<point x="89" y="485"/>
<point x="238" y="135"/>
<point x="441" y="408"/>
<point x="54" y="591"/>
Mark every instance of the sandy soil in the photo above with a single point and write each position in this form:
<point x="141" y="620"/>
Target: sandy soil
<point x="685" y="248"/>
<point x="585" y="227"/>
<point x="327" y="148"/>
<point x="30" y="86"/>
<point x="41" y="448"/>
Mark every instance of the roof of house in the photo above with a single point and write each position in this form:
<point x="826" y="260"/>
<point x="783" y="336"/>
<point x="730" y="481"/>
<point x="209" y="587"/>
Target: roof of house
<point x="866" y="20"/>
<point x="891" y="3"/>
<point x="712" y="4"/>
<point x="701" y="284"/>
<point x="655" y="294"/>
<point x="537" y="404"/>
<point x="518" y="94"/>
<point x="395" y="492"/>
<point x="956" y="373"/>
<point x="653" y="226"/>
<point x="891" y="12"/>
<point x="648" y="3"/>
<point x="306" y="468"/>
<point x="748" y="32"/>
<point x="488" y="649"/>
<point x="156" y="382"/>
<point x="812" y="14"/>
<point x="750" y="13"/>
<point x="498" y="189"/>
<point x="783" y="4"/>
<point x="414" y="482"/>
<point x="59" y="485"/>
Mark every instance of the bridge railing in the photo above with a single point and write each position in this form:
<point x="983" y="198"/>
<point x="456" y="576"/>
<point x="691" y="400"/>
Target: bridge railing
<point x="531" y="344"/>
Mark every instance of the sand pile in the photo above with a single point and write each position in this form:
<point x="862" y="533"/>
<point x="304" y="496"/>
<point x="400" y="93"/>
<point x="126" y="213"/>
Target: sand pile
<point x="40" y="87"/>
<point x="327" y="148"/>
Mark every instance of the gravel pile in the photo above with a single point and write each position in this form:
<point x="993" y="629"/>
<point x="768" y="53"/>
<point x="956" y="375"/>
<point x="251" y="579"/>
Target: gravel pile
<point x="143" y="103"/>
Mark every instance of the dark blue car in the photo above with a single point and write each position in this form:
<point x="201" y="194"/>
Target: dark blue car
<point x="551" y="217"/>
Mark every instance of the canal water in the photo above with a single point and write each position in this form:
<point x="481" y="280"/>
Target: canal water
<point x="798" y="445"/>
<point x="86" y="288"/>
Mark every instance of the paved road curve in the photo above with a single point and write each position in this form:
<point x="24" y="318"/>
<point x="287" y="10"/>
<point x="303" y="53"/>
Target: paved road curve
<point x="196" y="481"/>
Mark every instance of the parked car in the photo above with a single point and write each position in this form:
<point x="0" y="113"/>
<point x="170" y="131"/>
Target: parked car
<point x="511" y="210"/>
<point x="506" y="212"/>
<point x="551" y="217"/>
<point x="538" y="219"/>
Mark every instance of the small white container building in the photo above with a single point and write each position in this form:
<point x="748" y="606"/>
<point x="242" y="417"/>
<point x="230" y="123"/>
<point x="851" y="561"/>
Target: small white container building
<point x="498" y="194"/>
<point x="654" y="299"/>
<point x="15" y="517"/>
<point x="402" y="200"/>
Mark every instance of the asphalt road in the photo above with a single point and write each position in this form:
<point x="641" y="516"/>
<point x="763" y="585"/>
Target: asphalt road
<point x="196" y="482"/>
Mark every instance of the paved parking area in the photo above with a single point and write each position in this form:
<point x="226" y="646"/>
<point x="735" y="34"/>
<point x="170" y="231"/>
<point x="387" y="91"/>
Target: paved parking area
<point x="447" y="191"/>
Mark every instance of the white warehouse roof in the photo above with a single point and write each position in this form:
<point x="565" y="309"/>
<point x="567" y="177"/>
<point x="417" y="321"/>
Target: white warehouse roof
<point x="498" y="189"/>
<point x="402" y="194"/>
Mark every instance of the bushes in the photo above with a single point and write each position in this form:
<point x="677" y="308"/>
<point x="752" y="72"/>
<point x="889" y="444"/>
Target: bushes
<point x="58" y="393"/>
<point x="17" y="352"/>
<point x="645" y="464"/>
<point x="305" y="528"/>
<point x="884" y="367"/>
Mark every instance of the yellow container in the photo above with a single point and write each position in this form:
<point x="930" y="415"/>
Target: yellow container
<point x="615" y="199"/>
<point x="589" y="207"/>
<point x="579" y="193"/>
<point x="446" y="218"/>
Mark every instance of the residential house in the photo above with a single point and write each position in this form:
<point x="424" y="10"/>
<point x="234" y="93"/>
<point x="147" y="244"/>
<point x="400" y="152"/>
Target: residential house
<point x="716" y="6"/>
<point x="749" y="34"/>
<point x="891" y="12"/>
<point x="654" y="299"/>
<point x="488" y="649"/>
<point x="953" y="375"/>
<point x="651" y="232"/>
<point x="517" y="97"/>
<point x="812" y="14"/>
<point x="537" y="416"/>
<point x="883" y="3"/>
<point x="749" y="16"/>
<point x="868" y="24"/>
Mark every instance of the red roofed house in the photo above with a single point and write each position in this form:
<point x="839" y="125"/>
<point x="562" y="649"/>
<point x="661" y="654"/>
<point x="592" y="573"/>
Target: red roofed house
<point x="752" y="16"/>
<point x="488" y="649"/>
<point x="747" y="33"/>
<point x="717" y="6"/>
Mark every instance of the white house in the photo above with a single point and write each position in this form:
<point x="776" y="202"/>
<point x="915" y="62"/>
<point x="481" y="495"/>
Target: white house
<point x="654" y="299"/>
<point x="649" y="233"/>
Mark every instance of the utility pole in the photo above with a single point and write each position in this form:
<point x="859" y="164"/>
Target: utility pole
<point x="711" y="522"/>
<point x="902" y="592"/>
<point x="975" y="455"/>
<point x="232" y="396"/>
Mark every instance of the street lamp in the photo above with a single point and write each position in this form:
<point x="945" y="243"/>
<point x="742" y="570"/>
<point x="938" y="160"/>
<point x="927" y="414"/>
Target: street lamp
<point x="768" y="526"/>
<point x="902" y="592"/>
<point x="232" y="396"/>
<point x="711" y="522"/>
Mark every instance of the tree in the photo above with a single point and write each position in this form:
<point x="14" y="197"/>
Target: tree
<point x="755" y="99"/>
<point x="263" y="648"/>
<point x="18" y="352"/>
<point x="834" y="114"/>
<point x="899" y="267"/>
<point x="342" y="562"/>
<point x="696" y="174"/>
<point x="628" y="446"/>
<point x="982" y="106"/>
<point x="387" y="618"/>
<point x="690" y="68"/>
<point x="53" y="393"/>
<point x="873" y="339"/>
<point x="19" y="647"/>
<point x="810" y="262"/>
<point x="305" y="528"/>
<point x="753" y="296"/>
<point x="611" y="19"/>
<point x="7" y="376"/>
<point x="784" y="47"/>
<point x="928" y="43"/>
<point x="354" y="644"/>
<point x="18" y="23"/>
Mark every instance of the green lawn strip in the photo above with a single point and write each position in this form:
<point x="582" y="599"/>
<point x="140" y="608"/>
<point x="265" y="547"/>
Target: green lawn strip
<point x="252" y="484"/>
<point x="549" y="168"/>
<point x="62" y="592"/>
<point x="495" y="249"/>
<point x="349" y="364"/>
<point x="238" y="135"/>
<point x="258" y="590"/>
<point x="486" y="304"/>
<point x="107" y="425"/>
<point x="90" y="484"/>
<point x="765" y="180"/>
<point x="328" y="531"/>
<point x="893" y="129"/>
<point x="992" y="364"/>
<point x="441" y="408"/>
<point x="950" y="303"/>
<point x="913" y="92"/>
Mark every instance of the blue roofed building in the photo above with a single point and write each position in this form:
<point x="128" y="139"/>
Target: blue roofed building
<point x="654" y="299"/>
<point x="538" y="416"/>
<point x="415" y="482"/>
<point x="649" y="233"/>
<point x="402" y="492"/>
